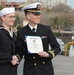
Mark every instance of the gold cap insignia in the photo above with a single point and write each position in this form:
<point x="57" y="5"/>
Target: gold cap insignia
<point x="38" y="6"/>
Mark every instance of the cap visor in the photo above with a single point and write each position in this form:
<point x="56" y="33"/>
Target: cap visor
<point x="36" y="13"/>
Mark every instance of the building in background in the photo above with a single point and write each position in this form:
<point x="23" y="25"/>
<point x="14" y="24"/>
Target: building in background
<point x="45" y="3"/>
<point x="5" y="3"/>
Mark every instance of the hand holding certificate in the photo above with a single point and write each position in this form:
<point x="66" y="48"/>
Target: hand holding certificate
<point x="34" y="44"/>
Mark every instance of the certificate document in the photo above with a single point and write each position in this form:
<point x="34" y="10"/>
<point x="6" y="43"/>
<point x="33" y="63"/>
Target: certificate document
<point x="34" y="44"/>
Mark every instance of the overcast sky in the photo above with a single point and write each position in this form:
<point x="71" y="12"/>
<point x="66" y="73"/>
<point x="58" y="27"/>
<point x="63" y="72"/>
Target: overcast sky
<point x="69" y="2"/>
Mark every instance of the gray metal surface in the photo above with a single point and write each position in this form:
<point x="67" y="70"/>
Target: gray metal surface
<point x="63" y="65"/>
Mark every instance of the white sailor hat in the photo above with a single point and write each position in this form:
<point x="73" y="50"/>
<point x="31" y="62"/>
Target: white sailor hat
<point x="7" y="10"/>
<point x="34" y="7"/>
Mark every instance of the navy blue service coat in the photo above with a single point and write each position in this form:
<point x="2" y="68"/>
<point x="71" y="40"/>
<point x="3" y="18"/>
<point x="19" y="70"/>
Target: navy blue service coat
<point x="35" y="64"/>
<point x="6" y="51"/>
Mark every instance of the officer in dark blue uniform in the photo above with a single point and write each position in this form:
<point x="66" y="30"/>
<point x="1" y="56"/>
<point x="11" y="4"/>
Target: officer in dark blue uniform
<point x="36" y="63"/>
<point x="7" y="42"/>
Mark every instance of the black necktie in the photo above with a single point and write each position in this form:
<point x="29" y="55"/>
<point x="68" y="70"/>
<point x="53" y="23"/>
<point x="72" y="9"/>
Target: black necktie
<point x="33" y="30"/>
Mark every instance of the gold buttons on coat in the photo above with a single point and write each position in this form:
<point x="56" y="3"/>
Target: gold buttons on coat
<point x="43" y="62"/>
<point x="33" y="57"/>
<point x="34" y="63"/>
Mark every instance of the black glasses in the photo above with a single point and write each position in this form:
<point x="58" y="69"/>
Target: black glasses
<point x="36" y="13"/>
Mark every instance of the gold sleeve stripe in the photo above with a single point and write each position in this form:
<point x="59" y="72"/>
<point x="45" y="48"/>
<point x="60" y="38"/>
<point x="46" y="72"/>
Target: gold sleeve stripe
<point x="18" y="56"/>
<point x="52" y="53"/>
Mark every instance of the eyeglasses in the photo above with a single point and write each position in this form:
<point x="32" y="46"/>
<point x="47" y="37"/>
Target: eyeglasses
<point x="36" y="13"/>
<point x="11" y="17"/>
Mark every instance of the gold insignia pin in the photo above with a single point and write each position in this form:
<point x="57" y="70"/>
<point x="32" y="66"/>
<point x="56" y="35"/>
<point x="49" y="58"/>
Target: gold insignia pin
<point x="38" y="6"/>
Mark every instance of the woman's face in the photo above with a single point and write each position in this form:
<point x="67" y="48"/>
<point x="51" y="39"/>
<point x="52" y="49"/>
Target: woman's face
<point x="9" y="19"/>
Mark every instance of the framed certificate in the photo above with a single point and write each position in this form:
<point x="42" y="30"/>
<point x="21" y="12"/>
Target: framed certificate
<point x="34" y="44"/>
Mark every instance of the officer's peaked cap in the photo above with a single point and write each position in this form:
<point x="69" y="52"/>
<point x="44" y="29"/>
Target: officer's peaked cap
<point x="34" y="7"/>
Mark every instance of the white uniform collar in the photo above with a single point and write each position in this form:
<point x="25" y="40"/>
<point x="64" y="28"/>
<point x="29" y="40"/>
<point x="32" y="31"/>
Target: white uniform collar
<point x="33" y="27"/>
<point x="11" y="33"/>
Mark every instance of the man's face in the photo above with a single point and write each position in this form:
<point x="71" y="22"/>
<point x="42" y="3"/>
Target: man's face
<point x="33" y="18"/>
<point x="9" y="19"/>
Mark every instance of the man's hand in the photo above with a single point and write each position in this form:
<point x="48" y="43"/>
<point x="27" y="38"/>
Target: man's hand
<point x="15" y="60"/>
<point x="43" y="54"/>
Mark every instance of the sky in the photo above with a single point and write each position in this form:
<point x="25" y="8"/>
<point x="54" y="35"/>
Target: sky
<point x="69" y="2"/>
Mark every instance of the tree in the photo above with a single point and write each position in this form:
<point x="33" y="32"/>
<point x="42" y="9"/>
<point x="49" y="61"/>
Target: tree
<point x="1" y="7"/>
<point x="61" y="8"/>
<point x="64" y="20"/>
<point x="17" y="21"/>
